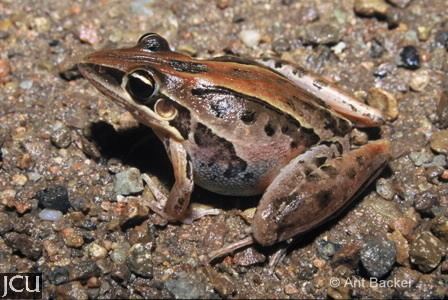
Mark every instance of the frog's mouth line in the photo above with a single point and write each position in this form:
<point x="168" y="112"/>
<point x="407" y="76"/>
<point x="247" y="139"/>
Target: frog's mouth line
<point x="105" y="75"/>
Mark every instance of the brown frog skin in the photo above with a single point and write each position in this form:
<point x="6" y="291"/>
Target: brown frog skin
<point x="242" y="127"/>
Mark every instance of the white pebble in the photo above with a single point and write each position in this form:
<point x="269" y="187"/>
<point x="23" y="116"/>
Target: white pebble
<point x="250" y="37"/>
<point x="50" y="215"/>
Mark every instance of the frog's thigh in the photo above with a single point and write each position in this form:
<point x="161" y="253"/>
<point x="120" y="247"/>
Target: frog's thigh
<point x="301" y="198"/>
<point x="176" y="205"/>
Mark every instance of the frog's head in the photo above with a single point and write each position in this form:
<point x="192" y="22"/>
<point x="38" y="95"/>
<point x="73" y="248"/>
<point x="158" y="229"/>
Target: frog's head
<point x="141" y="80"/>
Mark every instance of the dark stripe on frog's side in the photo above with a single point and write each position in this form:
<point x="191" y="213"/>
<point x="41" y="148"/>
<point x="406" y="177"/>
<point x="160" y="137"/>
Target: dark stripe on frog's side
<point x="223" y="151"/>
<point x="299" y="134"/>
<point x="188" y="66"/>
<point x="182" y="121"/>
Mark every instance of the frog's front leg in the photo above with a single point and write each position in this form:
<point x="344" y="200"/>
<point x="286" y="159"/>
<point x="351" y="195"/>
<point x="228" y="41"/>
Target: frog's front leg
<point x="175" y="206"/>
<point x="302" y="197"/>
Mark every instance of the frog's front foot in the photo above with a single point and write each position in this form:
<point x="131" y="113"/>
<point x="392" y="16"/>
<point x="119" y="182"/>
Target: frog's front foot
<point x="195" y="211"/>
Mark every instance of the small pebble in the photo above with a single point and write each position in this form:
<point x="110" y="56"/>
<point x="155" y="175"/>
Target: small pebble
<point x="423" y="33"/>
<point x="400" y="3"/>
<point x="281" y="45"/>
<point x="70" y="74"/>
<point x="88" y="34"/>
<point x="128" y="182"/>
<point x="419" y="81"/>
<point x="371" y="8"/>
<point x="421" y="158"/>
<point x="119" y="254"/>
<point x="186" y="286"/>
<point x="50" y="215"/>
<point x="26" y="84"/>
<point x="26" y="245"/>
<point x="385" y="189"/>
<point x="327" y="249"/>
<point x="54" y="197"/>
<point x="72" y="238"/>
<point x="6" y="223"/>
<point x="96" y="251"/>
<point x="359" y="137"/>
<point x="376" y="49"/>
<point x="384" y="101"/>
<point x="61" y="137"/>
<point x="410" y="59"/>
<point x="322" y="34"/>
<point x="378" y="257"/>
<point x="401" y="246"/>
<point x="439" y="227"/>
<point x="425" y="202"/>
<point x="439" y="141"/>
<point x="248" y="257"/>
<point x="251" y="38"/>
<point x="442" y="110"/>
<point x="58" y="275"/>
<point x="139" y="260"/>
<point x="441" y="39"/>
<point x="19" y="179"/>
<point x="426" y="251"/>
<point x="5" y="70"/>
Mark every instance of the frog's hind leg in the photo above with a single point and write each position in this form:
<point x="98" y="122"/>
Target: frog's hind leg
<point x="300" y="199"/>
<point x="320" y="90"/>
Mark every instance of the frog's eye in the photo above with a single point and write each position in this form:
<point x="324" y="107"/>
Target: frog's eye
<point x="141" y="86"/>
<point x="165" y="109"/>
<point x="153" y="42"/>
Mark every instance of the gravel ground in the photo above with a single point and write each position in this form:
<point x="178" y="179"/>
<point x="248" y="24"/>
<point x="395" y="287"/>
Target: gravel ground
<point x="70" y="160"/>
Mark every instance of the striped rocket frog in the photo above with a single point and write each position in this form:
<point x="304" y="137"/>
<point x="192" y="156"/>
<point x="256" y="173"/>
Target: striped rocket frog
<point x="245" y="127"/>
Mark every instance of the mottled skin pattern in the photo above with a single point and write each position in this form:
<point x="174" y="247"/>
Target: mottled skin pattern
<point x="237" y="127"/>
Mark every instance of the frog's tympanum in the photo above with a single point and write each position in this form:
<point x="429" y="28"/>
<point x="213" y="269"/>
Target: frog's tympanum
<point x="245" y="127"/>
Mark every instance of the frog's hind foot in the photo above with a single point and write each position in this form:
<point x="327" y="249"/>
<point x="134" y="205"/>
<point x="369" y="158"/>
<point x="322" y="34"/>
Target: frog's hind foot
<point x="228" y="249"/>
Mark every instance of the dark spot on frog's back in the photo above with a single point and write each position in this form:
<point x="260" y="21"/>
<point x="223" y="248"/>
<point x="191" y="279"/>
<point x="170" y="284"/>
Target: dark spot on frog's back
<point x="269" y="129"/>
<point x="323" y="198"/>
<point x="188" y="67"/>
<point x="248" y="117"/>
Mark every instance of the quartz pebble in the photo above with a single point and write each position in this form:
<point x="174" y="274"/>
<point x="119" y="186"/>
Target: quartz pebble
<point x="419" y="81"/>
<point x="251" y="38"/>
<point x="384" y="101"/>
<point x="50" y="215"/>
<point x="128" y="182"/>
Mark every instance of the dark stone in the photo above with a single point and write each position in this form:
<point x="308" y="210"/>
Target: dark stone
<point x="61" y="137"/>
<point x="376" y="49"/>
<point x="410" y="59"/>
<point x="58" y="275"/>
<point x="378" y="257"/>
<point x="24" y="244"/>
<point x="425" y="202"/>
<point x="84" y="270"/>
<point x="139" y="260"/>
<point x="70" y="74"/>
<point x="442" y="39"/>
<point x="54" y="197"/>
<point x="6" y="224"/>
<point x="80" y="204"/>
